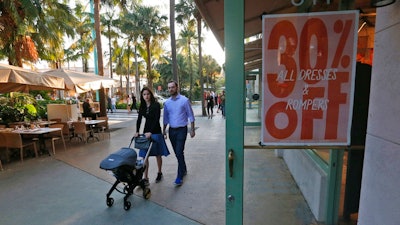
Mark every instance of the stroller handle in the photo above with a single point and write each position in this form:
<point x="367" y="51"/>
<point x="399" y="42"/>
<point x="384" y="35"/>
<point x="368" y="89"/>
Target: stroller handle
<point x="140" y="135"/>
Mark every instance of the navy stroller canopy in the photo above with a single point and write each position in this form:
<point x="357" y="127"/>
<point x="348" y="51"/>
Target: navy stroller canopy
<point x="124" y="156"/>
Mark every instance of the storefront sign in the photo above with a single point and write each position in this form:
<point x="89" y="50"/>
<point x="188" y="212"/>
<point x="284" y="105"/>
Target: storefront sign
<point x="308" y="78"/>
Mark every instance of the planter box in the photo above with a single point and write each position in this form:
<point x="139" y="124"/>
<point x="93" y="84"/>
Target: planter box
<point x="63" y="111"/>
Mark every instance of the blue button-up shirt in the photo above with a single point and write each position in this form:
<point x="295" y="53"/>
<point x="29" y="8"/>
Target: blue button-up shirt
<point x="178" y="111"/>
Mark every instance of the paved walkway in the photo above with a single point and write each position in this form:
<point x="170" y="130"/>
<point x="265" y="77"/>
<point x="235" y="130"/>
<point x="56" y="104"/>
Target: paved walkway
<point x="69" y="188"/>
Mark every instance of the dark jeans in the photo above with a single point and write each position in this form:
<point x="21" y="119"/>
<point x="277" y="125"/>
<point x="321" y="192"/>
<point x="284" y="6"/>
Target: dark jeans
<point x="177" y="137"/>
<point x="210" y="107"/>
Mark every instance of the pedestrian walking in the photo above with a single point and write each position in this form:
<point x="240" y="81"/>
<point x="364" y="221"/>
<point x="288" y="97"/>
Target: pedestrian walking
<point x="177" y="113"/>
<point x="113" y="104"/>
<point x="223" y="104"/>
<point x="133" y="106"/>
<point x="128" y="103"/>
<point x="209" y="102"/>
<point x="150" y="109"/>
<point x="219" y="102"/>
<point x="109" y="108"/>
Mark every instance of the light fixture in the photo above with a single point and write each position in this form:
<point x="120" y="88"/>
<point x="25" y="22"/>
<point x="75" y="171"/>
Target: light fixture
<point x="381" y="3"/>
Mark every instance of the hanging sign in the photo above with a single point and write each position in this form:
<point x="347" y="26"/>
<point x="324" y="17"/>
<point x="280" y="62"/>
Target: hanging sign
<point x="308" y="78"/>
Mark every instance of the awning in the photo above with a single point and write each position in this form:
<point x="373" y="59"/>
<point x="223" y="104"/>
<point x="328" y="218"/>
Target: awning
<point x="13" y="78"/>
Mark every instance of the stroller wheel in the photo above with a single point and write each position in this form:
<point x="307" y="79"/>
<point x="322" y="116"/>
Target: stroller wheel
<point x="126" y="189"/>
<point x="146" y="193"/>
<point x="127" y="205"/>
<point x="110" y="202"/>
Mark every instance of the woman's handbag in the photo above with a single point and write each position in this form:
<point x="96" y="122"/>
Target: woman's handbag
<point x="141" y="142"/>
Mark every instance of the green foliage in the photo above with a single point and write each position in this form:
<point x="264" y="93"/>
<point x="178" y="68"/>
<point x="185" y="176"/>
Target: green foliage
<point x="45" y="94"/>
<point x="8" y="114"/>
<point x="18" y="107"/>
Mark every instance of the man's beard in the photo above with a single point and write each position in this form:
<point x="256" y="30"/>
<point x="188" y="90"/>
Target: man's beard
<point x="173" y="93"/>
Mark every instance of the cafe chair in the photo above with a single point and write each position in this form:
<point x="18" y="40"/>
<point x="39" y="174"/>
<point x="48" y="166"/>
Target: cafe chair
<point x="56" y="136"/>
<point x="102" y="128"/>
<point x="14" y="140"/>
<point x="3" y="146"/>
<point x="81" y="131"/>
<point x="67" y="130"/>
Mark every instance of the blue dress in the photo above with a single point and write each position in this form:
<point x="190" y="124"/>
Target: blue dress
<point x="159" y="147"/>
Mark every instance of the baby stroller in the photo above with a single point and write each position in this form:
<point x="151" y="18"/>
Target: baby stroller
<point x="128" y="170"/>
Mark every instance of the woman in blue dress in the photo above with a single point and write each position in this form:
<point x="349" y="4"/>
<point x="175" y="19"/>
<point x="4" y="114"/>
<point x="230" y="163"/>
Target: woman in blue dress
<point x="150" y="109"/>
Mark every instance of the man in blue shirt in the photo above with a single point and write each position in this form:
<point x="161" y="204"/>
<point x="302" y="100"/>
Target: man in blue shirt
<point x="177" y="112"/>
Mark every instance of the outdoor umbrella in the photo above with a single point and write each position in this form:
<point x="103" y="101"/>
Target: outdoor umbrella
<point x="80" y="82"/>
<point x="13" y="78"/>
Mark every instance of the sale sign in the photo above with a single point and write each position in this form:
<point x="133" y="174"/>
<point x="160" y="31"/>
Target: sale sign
<point x="308" y="78"/>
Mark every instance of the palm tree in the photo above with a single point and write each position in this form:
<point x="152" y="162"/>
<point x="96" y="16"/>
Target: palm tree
<point x="109" y="21"/>
<point x="187" y="36"/>
<point x="165" y="69"/>
<point x="187" y="10"/>
<point x="129" y="25"/>
<point x="100" y="65"/>
<point x="156" y="51"/>
<point x="200" y="70"/>
<point x="211" y="68"/>
<point x="28" y="31"/>
<point x="151" y="26"/>
<point x="84" y="44"/>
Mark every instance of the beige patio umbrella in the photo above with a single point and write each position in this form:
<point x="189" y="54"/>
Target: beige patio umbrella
<point x="13" y="78"/>
<point x="80" y="82"/>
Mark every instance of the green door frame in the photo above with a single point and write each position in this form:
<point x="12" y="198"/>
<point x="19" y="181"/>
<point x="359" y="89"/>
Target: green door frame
<point x="235" y="122"/>
<point x="234" y="108"/>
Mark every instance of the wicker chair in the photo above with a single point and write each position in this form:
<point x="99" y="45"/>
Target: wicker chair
<point x="102" y="128"/>
<point x="81" y="131"/>
<point x="3" y="146"/>
<point x="56" y="136"/>
<point x="14" y="140"/>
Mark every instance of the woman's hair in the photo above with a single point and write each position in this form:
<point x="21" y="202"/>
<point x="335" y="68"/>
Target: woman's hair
<point x="142" y="101"/>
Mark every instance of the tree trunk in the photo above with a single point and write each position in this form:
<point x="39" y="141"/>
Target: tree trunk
<point x="137" y="77"/>
<point x="129" y="69"/>
<point x="102" y="93"/>
<point x="149" y="75"/>
<point x="203" y="108"/>
<point x="173" y="40"/>
<point x="110" y="50"/>
<point x="191" y="73"/>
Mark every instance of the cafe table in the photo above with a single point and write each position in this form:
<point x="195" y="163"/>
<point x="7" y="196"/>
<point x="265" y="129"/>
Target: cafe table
<point x="40" y="132"/>
<point x="90" y="124"/>
<point x="45" y="123"/>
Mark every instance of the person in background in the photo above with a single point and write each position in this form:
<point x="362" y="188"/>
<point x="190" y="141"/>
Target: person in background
<point x="133" y="106"/>
<point x="113" y="104"/>
<point x="218" y="102"/>
<point x="87" y="110"/>
<point x="151" y="110"/>
<point x="223" y="104"/>
<point x="209" y="101"/>
<point x="109" y="104"/>
<point x="128" y="103"/>
<point x="177" y="113"/>
<point x="215" y="98"/>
